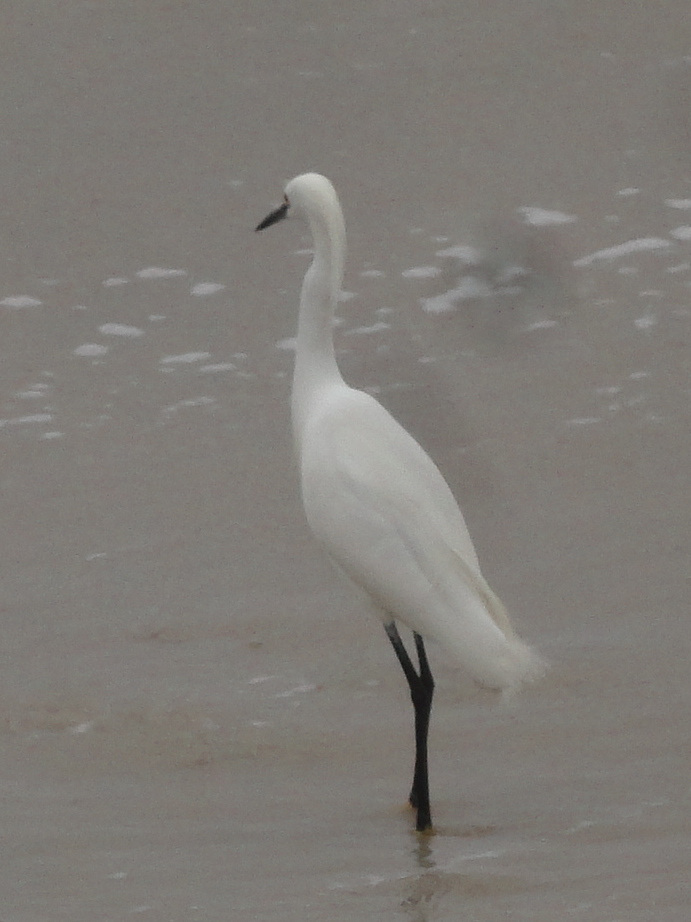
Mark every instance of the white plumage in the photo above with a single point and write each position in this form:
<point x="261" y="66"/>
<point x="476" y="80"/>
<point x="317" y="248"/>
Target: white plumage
<point x="380" y="507"/>
<point x="374" y="499"/>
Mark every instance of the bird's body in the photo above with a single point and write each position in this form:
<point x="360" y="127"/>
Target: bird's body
<point x="376" y="501"/>
<point x="379" y="506"/>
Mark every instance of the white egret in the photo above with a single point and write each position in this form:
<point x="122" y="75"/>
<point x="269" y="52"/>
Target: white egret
<point x="378" y="504"/>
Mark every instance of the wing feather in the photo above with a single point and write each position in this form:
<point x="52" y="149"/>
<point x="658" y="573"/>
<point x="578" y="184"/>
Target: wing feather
<point x="383" y="511"/>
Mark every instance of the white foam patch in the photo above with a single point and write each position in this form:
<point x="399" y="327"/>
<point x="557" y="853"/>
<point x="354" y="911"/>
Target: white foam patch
<point x="465" y="254"/>
<point x="49" y="436"/>
<point x="378" y="327"/>
<point x="90" y="350"/>
<point x="34" y="391"/>
<point x="120" y="329"/>
<point x="584" y="421"/>
<point x="542" y="217"/>
<point x="647" y="322"/>
<point x="511" y="273"/>
<point x="470" y="288"/>
<point x="186" y="358"/>
<point x="217" y="368"/>
<point x="16" y="302"/>
<point x="114" y="281"/>
<point x="440" y="304"/>
<point x="682" y="203"/>
<point x="27" y="420"/>
<point x="287" y="345"/>
<point x="540" y="325"/>
<point x="639" y="245"/>
<point x="421" y="272"/>
<point x="630" y="190"/>
<point x="202" y="289"/>
<point x="681" y="233"/>
<point x="190" y="402"/>
<point x="298" y="690"/>
<point x="680" y="267"/>
<point x="372" y="274"/>
<point x="156" y="272"/>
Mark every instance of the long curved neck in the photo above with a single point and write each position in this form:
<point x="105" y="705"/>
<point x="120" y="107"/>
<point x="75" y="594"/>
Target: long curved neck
<point x="315" y="360"/>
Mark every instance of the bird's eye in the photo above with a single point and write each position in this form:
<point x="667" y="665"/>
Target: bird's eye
<point x="285" y="199"/>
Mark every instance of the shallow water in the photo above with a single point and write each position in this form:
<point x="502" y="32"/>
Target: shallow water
<point x="200" y="719"/>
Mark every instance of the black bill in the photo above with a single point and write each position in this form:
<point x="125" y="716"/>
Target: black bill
<point x="272" y="218"/>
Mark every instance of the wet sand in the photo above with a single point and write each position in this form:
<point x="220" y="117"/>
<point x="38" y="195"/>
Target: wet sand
<point x="200" y="718"/>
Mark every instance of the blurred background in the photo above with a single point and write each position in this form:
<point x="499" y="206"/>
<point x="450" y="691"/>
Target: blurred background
<point x="200" y="718"/>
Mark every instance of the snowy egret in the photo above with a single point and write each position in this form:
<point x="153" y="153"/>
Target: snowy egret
<point x="378" y="504"/>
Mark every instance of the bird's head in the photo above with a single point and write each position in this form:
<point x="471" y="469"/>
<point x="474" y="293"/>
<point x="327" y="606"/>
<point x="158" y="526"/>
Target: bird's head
<point x="310" y="193"/>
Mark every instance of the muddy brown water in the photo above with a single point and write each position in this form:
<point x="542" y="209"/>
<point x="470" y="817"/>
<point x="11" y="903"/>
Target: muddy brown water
<point x="200" y="719"/>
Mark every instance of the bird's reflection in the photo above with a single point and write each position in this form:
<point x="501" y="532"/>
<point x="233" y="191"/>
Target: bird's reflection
<point x="424" y="886"/>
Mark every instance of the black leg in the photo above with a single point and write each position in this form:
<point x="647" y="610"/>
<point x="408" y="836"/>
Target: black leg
<point x="419" y="794"/>
<point x="421" y="691"/>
